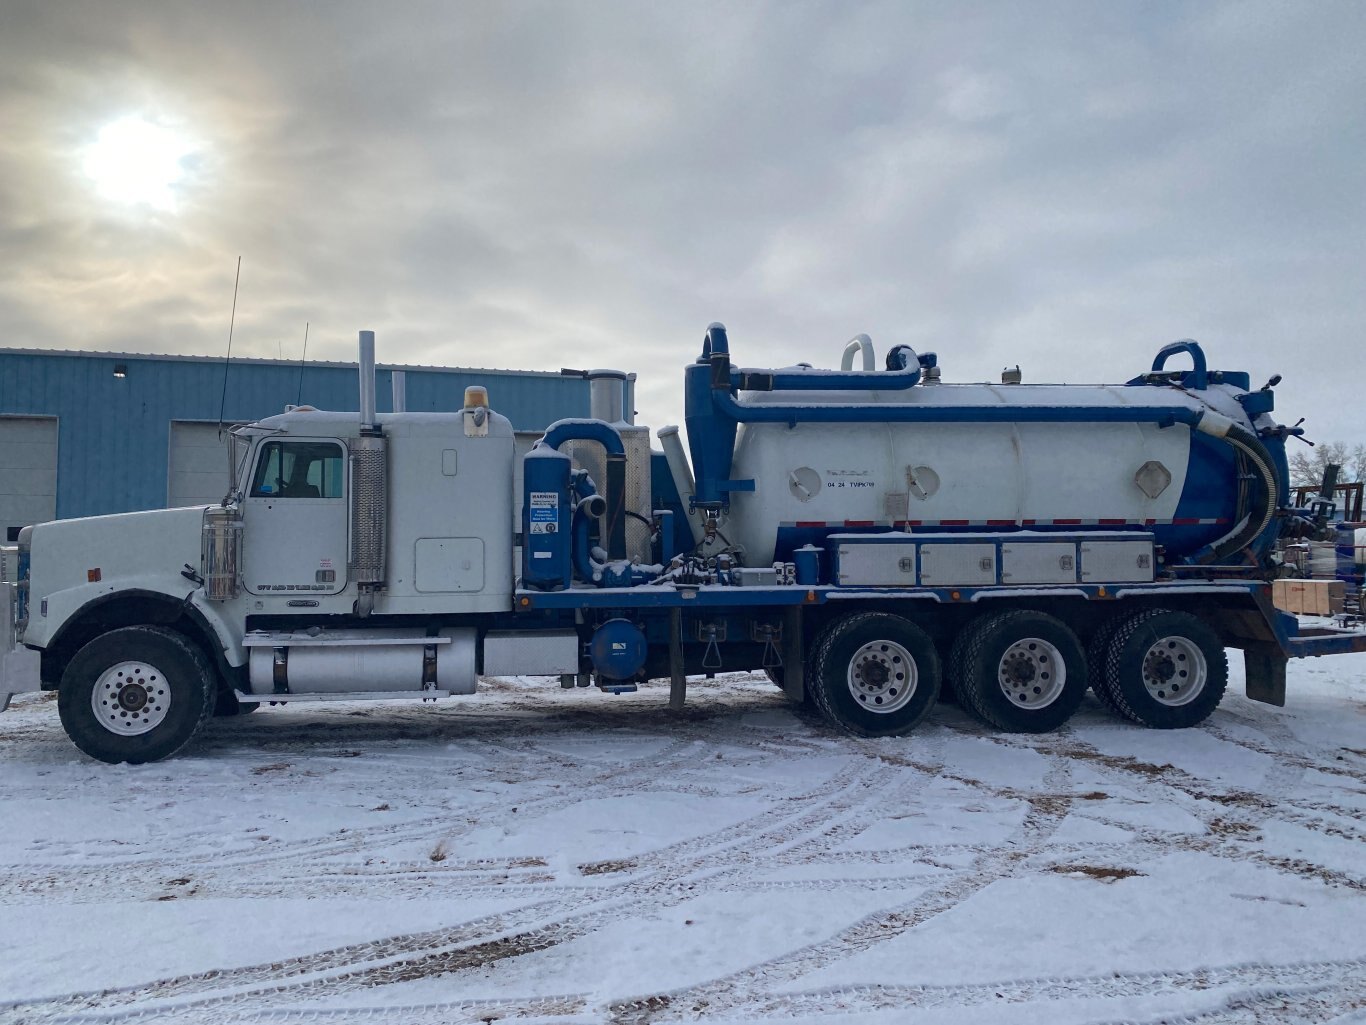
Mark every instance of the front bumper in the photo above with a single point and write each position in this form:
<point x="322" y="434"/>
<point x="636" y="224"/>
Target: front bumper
<point x="19" y="666"/>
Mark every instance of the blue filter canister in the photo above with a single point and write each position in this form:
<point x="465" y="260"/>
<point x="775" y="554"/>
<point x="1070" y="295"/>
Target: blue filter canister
<point x="546" y="563"/>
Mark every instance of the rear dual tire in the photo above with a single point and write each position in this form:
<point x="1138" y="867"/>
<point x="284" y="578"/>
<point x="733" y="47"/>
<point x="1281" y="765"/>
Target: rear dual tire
<point x="1019" y="671"/>
<point x="1165" y="670"/>
<point x="874" y="674"/>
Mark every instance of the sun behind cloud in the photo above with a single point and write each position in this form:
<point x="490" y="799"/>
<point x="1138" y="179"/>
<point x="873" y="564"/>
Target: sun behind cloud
<point x="137" y="161"/>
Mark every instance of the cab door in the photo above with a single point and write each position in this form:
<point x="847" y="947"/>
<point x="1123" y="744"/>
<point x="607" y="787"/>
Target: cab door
<point x="295" y="518"/>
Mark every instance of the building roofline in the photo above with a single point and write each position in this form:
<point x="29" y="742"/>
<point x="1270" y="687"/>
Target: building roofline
<point x="257" y="361"/>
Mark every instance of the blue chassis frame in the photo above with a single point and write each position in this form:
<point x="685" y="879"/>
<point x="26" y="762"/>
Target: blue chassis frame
<point x="1284" y="626"/>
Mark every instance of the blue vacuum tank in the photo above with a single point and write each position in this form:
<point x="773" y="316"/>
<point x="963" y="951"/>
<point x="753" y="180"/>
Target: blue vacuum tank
<point x="789" y="456"/>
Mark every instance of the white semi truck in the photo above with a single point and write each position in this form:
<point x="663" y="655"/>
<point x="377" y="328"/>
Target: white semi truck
<point x="870" y="538"/>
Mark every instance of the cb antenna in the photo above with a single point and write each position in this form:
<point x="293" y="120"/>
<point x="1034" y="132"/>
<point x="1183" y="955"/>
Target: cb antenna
<point x="232" y="319"/>
<point x="299" y="399"/>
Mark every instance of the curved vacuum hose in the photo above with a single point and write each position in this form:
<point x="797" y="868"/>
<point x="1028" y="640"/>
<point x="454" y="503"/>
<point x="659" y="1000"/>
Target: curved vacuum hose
<point x="1263" y="506"/>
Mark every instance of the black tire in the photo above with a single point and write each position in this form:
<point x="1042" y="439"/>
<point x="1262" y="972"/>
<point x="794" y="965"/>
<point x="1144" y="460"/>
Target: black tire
<point x="776" y="677"/>
<point x="153" y="679"/>
<point x="1166" y="670"/>
<point x="1009" y="671"/>
<point x="866" y="662"/>
<point x="226" y="705"/>
<point x="1097" y="654"/>
<point x="953" y="673"/>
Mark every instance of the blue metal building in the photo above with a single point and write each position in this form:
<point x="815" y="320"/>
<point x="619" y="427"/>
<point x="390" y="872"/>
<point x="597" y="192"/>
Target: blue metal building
<point x="85" y="433"/>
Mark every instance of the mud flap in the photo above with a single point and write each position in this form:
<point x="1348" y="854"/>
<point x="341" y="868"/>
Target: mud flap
<point x="1264" y="669"/>
<point x="678" y="681"/>
<point x="794" y="665"/>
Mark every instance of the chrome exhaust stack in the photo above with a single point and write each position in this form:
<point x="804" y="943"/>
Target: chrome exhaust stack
<point x="369" y="489"/>
<point x="367" y="379"/>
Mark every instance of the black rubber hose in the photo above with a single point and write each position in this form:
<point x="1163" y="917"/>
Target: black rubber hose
<point x="616" y="506"/>
<point x="1263" y="505"/>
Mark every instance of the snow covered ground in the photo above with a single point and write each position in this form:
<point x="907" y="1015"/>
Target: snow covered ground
<point x="537" y="855"/>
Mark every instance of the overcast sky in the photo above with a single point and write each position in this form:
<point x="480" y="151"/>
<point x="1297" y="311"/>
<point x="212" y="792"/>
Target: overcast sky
<point x="1063" y="186"/>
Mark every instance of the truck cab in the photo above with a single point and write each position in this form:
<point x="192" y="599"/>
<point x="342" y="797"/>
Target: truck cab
<point x="350" y="543"/>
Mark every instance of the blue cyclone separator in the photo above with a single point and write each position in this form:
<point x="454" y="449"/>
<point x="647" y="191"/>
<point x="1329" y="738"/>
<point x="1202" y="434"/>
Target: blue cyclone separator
<point x="546" y="511"/>
<point x="556" y="516"/>
<point x="552" y="524"/>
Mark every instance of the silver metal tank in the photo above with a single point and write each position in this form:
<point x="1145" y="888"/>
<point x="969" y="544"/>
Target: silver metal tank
<point x="610" y="396"/>
<point x="960" y="473"/>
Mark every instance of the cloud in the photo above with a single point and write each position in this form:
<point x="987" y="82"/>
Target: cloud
<point x="1065" y="186"/>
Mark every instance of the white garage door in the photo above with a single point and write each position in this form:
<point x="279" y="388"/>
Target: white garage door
<point x="198" y="464"/>
<point x="28" y="472"/>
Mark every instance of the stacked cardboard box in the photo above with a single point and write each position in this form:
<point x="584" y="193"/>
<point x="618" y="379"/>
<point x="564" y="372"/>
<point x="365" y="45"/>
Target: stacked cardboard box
<point x="1309" y="597"/>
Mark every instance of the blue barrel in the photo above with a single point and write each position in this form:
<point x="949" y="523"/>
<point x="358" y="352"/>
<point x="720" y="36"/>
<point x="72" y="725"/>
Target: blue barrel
<point x="546" y="562"/>
<point x="808" y="561"/>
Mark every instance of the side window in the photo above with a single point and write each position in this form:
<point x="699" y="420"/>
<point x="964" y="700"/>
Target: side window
<point x="298" y="469"/>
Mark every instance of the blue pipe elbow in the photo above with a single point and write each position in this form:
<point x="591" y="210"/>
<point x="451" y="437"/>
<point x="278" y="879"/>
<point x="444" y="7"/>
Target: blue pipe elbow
<point x="1200" y="379"/>
<point x="585" y="430"/>
<point x="714" y="342"/>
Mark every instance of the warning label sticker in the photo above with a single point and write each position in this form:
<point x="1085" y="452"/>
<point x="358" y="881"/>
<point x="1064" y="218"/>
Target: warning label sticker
<point x="544" y="512"/>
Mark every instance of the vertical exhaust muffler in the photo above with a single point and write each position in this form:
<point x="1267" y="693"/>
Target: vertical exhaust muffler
<point x="369" y="489"/>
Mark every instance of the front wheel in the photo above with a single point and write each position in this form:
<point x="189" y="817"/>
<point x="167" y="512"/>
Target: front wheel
<point x="1166" y="670"/>
<point x="874" y="674"/>
<point x="136" y="694"/>
<point x="1021" y="671"/>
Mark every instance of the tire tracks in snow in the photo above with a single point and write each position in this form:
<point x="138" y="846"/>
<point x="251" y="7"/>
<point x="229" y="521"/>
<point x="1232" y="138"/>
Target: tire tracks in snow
<point x="1253" y="983"/>
<point x="219" y="871"/>
<point x="673" y="873"/>
<point x="797" y="828"/>
<point x="726" y="995"/>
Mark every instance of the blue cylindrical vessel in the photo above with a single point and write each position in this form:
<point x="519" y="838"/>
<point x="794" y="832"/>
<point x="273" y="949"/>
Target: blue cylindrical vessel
<point x="808" y="562"/>
<point x="618" y="649"/>
<point x="546" y="564"/>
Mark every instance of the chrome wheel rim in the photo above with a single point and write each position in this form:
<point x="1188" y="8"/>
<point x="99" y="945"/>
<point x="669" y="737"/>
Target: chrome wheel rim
<point x="1174" y="671"/>
<point x="1031" y="673"/>
<point x="131" y="698"/>
<point x="882" y="676"/>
